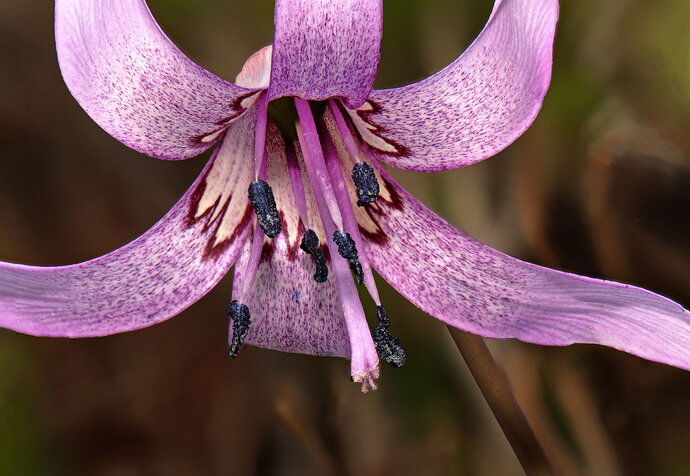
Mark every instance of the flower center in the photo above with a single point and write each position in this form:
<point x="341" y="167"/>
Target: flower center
<point x="311" y="153"/>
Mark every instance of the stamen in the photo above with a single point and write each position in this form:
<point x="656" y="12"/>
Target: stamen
<point x="310" y="245"/>
<point x="260" y="138"/>
<point x="388" y="346"/>
<point x="362" y="174"/>
<point x="367" y="186"/>
<point x="343" y="130"/>
<point x="295" y="175"/>
<point x="239" y="313"/>
<point x="348" y="250"/>
<point x="350" y="225"/>
<point x="264" y="204"/>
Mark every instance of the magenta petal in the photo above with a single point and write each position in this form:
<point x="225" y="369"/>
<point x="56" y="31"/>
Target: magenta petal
<point x="290" y="312"/>
<point x="151" y="279"/>
<point x="476" y="106"/>
<point x="476" y="288"/>
<point x="134" y="82"/>
<point x="326" y="48"/>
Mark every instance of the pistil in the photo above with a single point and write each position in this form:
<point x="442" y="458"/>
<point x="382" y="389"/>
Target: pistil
<point x="363" y="356"/>
<point x="311" y="147"/>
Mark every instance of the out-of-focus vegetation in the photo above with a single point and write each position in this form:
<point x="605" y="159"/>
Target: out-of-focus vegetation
<point x="599" y="185"/>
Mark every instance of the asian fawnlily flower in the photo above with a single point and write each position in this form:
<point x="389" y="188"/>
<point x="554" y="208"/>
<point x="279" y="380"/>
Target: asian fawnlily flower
<point x="296" y="195"/>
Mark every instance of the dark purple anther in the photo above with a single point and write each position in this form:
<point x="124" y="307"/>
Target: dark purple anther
<point x="367" y="186"/>
<point x="388" y="346"/>
<point x="310" y="245"/>
<point x="348" y="250"/>
<point x="264" y="204"/>
<point x="239" y="314"/>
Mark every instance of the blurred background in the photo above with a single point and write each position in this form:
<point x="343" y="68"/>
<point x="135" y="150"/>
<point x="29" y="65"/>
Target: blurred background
<point x="599" y="185"/>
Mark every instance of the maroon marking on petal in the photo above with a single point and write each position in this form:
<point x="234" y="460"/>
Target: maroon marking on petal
<point x="267" y="251"/>
<point x="212" y="226"/>
<point x="377" y="209"/>
<point x="237" y="111"/>
<point x="378" y="237"/>
<point x="199" y="140"/>
<point x="215" y="250"/>
<point x="366" y="116"/>
<point x="237" y="108"/>
<point x="294" y="249"/>
<point x="395" y="201"/>
<point x="326" y="252"/>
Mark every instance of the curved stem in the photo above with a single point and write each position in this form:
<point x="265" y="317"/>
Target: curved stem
<point x="495" y="387"/>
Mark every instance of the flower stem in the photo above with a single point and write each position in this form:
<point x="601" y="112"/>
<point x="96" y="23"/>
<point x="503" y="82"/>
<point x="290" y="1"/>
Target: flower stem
<point x="495" y="387"/>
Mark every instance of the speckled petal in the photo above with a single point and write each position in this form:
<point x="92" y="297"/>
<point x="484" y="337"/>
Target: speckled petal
<point x="326" y="48"/>
<point x="291" y="312"/>
<point x="151" y="279"/>
<point x="476" y="106"/>
<point x="134" y="82"/>
<point x="476" y="288"/>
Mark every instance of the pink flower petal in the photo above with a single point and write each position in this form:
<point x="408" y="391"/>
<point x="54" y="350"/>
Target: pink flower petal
<point x="476" y="288"/>
<point x="156" y="276"/>
<point x="326" y="48"/>
<point x="476" y="106"/>
<point x="134" y="82"/>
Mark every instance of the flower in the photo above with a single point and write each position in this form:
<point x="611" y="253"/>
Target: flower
<point x="295" y="194"/>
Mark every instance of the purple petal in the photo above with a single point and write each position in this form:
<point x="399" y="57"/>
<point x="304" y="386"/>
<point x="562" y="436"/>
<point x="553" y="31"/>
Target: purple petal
<point x="291" y="312"/>
<point x="476" y="106"/>
<point x="326" y="48"/>
<point x="153" y="278"/>
<point x="134" y="82"/>
<point x="476" y="288"/>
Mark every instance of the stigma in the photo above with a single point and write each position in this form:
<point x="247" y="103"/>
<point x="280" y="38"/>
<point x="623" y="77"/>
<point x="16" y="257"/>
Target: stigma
<point x="239" y="314"/>
<point x="264" y="204"/>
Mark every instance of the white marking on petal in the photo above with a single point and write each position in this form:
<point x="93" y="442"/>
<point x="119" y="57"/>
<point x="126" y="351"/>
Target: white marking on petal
<point x="211" y="137"/>
<point x="225" y="198"/>
<point x="249" y="100"/>
<point x="368" y="131"/>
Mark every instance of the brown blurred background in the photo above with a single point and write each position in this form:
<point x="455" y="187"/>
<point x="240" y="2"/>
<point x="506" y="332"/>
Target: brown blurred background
<point x="600" y="185"/>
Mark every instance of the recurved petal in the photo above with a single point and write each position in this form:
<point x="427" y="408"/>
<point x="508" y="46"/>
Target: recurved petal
<point x="326" y="48"/>
<point x="290" y="311"/>
<point x="135" y="83"/>
<point x="476" y="106"/>
<point x="476" y="288"/>
<point x="152" y="278"/>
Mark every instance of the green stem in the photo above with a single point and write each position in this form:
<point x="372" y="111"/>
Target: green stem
<point x="495" y="387"/>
